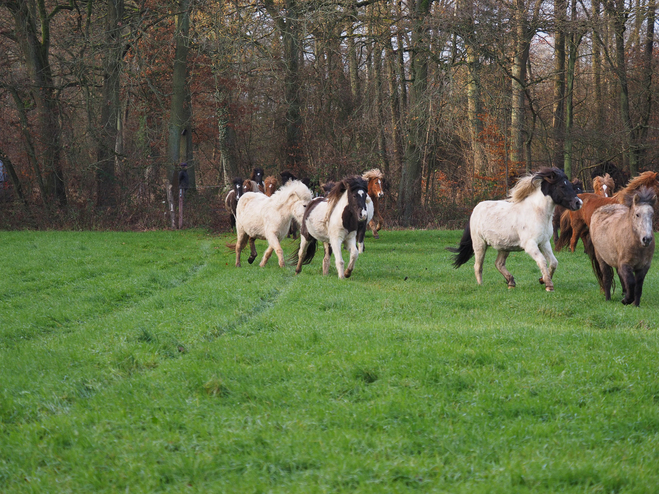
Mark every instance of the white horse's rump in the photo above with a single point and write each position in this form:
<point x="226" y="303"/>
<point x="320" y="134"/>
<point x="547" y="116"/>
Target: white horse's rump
<point x="522" y="222"/>
<point x="269" y="218"/>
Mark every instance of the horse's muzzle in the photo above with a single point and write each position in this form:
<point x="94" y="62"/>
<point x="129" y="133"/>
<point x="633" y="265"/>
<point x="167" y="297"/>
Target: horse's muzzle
<point x="363" y="215"/>
<point x="576" y="204"/>
<point x="647" y="240"/>
<point x="380" y="195"/>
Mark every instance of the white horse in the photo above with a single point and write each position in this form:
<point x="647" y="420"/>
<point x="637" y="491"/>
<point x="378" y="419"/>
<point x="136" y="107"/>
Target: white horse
<point x="522" y="222"/>
<point x="269" y="218"/>
<point x="334" y="220"/>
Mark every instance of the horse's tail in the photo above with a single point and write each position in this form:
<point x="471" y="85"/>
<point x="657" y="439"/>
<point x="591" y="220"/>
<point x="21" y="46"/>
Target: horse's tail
<point x="465" y="250"/>
<point x="308" y="256"/>
<point x="566" y="231"/>
<point x="231" y="246"/>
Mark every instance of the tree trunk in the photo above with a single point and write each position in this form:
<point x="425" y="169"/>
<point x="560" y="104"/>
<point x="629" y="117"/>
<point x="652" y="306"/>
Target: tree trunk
<point x="646" y="84"/>
<point x="409" y="191"/>
<point x="574" y="41"/>
<point x="34" y="45"/>
<point x="518" y="85"/>
<point x="111" y="106"/>
<point x="597" y="75"/>
<point x="558" y="122"/>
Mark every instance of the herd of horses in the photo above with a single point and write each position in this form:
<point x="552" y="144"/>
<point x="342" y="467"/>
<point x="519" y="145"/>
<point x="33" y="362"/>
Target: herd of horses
<point x="616" y="228"/>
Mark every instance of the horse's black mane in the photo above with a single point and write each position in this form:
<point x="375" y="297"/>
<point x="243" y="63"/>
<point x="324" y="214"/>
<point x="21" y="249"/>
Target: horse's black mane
<point x="286" y="176"/>
<point x="646" y="195"/>
<point x="352" y="183"/>
<point x="551" y="175"/>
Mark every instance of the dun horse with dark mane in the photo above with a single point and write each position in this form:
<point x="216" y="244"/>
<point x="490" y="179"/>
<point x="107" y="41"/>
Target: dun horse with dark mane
<point x="574" y="224"/>
<point x="623" y="239"/>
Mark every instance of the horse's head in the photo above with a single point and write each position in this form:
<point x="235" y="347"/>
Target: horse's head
<point x="641" y="213"/>
<point x="247" y="186"/>
<point x="270" y="185"/>
<point x="237" y="187"/>
<point x="578" y="185"/>
<point x="257" y="175"/>
<point x="604" y="186"/>
<point x="554" y="183"/>
<point x="358" y="192"/>
<point x="286" y="176"/>
<point x="375" y="183"/>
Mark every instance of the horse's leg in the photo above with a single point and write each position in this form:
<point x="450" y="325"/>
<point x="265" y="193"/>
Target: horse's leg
<point x="550" y="258"/>
<point x="533" y="250"/>
<point x="640" y="277"/>
<point x="576" y="233"/>
<point x="252" y="249"/>
<point x="480" y="248"/>
<point x="240" y="244"/>
<point x="327" y="258"/>
<point x="500" y="263"/>
<point x="351" y="246"/>
<point x="626" y="274"/>
<point x="607" y="277"/>
<point x="304" y="244"/>
<point x="338" y="256"/>
<point x="275" y="246"/>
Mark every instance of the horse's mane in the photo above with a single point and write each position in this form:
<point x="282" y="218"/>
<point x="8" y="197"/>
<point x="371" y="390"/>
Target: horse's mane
<point x="373" y="173"/>
<point x="648" y="179"/>
<point x="291" y="187"/>
<point x="528" y="184"/>
<point x="351" y="183"/>
<point x="646" y="195"/>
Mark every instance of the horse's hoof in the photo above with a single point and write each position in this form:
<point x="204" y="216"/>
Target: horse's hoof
<point x="549" y="288"/>
<point x="542" y="281"/>
<point x="347" y="273"/>
<point x="251" y="259"/>
<point x="510" y="287"/>
<point x="376" y="235"/>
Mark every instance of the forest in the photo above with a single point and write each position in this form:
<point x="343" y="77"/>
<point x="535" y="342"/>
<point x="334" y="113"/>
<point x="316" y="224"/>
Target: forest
<point x="101" y="100"/>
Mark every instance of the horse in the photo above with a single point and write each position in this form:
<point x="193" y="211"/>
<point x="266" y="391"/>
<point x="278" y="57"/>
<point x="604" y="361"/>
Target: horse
<point x="374" y="177"/>
<point x="361" y="229"/>
<point x="231" y="199"/>
<point x="623" y="239"/>
<point x="559" y="210"/>
<point x="334" y="220"/>
<point x="521" y="222"/>
<point x="269" y="218"/>
<point x="604" y="186"/>
<point x="270" y="185"/>
<point x="257" y="176"/>
<point x="250" y="185"/>
<point x="606" y="167"/>
<point x="575" y="224"/>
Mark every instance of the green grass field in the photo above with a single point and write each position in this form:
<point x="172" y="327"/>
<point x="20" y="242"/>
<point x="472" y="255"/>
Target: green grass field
<point x="145" y="362"/>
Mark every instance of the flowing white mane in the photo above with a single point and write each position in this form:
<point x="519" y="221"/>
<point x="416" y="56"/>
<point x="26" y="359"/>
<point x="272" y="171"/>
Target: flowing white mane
<point x="524" y="187"/>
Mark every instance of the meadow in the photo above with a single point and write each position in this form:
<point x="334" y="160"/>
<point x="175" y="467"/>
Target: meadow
<point x="146" y="362"/>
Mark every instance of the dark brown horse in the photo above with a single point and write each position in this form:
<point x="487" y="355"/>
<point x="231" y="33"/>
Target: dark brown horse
<point x="575" y="224"/>
<point x="556" y="219"/>
<point x="623" y="239"/>
<point x="231" y="199"/>
<point x="375" y="178"/>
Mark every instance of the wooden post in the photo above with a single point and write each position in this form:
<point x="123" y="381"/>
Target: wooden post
<point x="180" y="209"/>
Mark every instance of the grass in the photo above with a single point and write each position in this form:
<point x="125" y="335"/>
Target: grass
<point x="145" y="362"/>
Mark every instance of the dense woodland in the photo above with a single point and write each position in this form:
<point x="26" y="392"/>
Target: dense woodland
<point x="100" y="100"/>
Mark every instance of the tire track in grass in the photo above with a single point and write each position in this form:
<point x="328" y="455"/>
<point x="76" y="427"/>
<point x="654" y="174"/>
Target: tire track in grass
<point x="124" y="365"/>
<point x="49" y="325"/>
<point x="267" y="301"/>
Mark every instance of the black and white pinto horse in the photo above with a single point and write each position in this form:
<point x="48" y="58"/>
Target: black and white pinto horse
<point x="521" y="222"/>
<point x="269" y="218"/>
<point x="231" y="200"/>
<point x="334" y="220"/>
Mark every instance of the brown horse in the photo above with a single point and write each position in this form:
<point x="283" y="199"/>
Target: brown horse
<point x="374" y="178"/>
<point x="575" y="224"/>
<point x="604" y="186"/>
<point x="622" y="238"/>
<point x="270" y="185"/>
<point x="556" y="219"/>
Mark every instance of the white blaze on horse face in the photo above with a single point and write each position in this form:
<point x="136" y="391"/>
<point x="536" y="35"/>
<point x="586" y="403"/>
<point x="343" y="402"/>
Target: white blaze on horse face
<point x="604" y="190"/>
